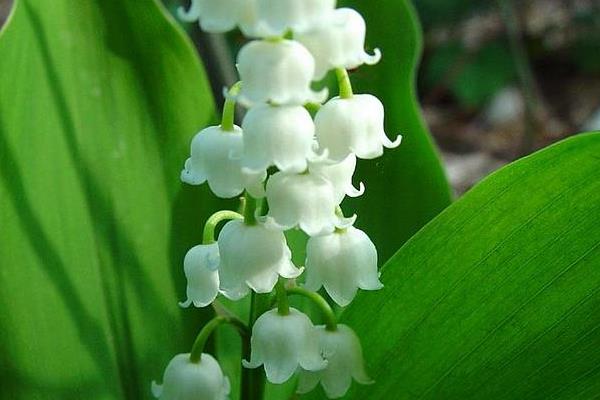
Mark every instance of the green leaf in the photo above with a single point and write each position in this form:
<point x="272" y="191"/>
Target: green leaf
<point x="98" y="103"/>
<point x="406" y="187"/>
<point x="499" y="296"/>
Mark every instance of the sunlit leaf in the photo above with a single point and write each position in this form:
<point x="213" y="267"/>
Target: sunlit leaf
<point x="499" y="296"/>
<point x="98" y="103"/>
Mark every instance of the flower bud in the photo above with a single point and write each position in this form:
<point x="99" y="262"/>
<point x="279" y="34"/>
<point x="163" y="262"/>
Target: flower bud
<point x="340" y="176"/>
<point x="185" y="380"/>
<point x="282" y="343"/>
<point x="353" y="125"/>
<point x="342" y="350"/>
<point x="201" y="265"/>
<point x="277" y="72"/>
<point x="211" y="161"/>
<point x="218" y="16"/>
<point x="339" y="42"/>
<point x="275" y="17"/>
<point x="306" y="200"/>
<point x="277" y="135"/>
<point x="342" y="262"/>
<point x="252" y="257"/>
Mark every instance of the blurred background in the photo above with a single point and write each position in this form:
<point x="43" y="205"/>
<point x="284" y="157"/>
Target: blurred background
<point x="499" y="78"/>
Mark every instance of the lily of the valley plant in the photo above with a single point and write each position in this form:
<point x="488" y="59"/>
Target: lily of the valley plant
<point x="293" y="170"/>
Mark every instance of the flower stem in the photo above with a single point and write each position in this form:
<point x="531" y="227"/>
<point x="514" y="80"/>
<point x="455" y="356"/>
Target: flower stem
<point x="344" y="83"/>
<point x="208" y="235"/>
<point x="253" y="380"/>
<point x="321" y="303"/>
<point x="312" y="108"/>
<point x="250" y="205"/>
<point x="283" y="305"/>
<point x="207" y="330"/>
<point x="227" y="120"/>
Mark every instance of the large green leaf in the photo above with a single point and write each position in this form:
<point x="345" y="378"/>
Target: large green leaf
<point x="98" y="102"/>
<point x="406" y="187"/>
<point x="499" y="296"/>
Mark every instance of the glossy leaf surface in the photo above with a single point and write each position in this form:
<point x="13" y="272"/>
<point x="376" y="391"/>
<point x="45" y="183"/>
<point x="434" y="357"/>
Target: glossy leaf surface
<point x="499" y="296"/>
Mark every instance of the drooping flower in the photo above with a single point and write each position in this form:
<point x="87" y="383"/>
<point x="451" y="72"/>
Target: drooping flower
<point x="340" y="176"/>
<point x="343" y="262"/>
<point x="185" y="380"/>
<point x="276" y="17"/>
<point x="353" y="125"/>
<point x="305" y="200"/>
<point x="218" y="16"/>
<point x="201" y="265"/>
<point x="282" y="343"/>
<point x="276" y="72"/>
<point x="252" y="257"/>
<point x="339" y="42"/>
<point x="342" y="350"/>
<point x="280" y="136"/>
<point x="211" y="161"/>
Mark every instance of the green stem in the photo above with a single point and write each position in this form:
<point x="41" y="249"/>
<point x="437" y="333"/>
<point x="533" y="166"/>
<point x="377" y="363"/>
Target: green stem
<point x="312" y="108"/>
<point x="207" y="330"/>
<point x="208" y="235"/>
<point x="250" y="205"/>
<point x="253" y="380"/>
<point x="227" y="121"/>
<point x="283" y="306"/>
<point x="344" y="83"/>
<point x="321" y="303"/>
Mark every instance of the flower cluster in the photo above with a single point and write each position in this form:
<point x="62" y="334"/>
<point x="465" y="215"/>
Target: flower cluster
<point x="294" y="170"/>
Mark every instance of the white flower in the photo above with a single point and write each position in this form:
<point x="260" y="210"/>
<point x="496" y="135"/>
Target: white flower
<point x="342" y="262"/>
<point x="338" y="43"/>
<point x="282" y="343"/>
<point x="277" y="135"/>
<point x="218" y="16"/>
<point x="353" y="125"/>
<point x="276" y="72"/>
<point x="201" y="265"/>
<point x="185" y="380"/>
<point x="211" y="161"/>
<point x="341" y="348"/>
<point x="340" y="176"/>
<point x="252" y="257"/>
<point x="275" y="17"/>
<point x="306" y="200"/>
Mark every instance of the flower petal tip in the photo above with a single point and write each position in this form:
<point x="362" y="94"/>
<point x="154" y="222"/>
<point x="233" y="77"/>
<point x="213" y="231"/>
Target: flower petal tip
<point x="392" y="145"/>
<point x="156" y="389"/>
<point x="185" y="304"/>
<point x="372" y="59"/>
<point x="354" y="192"/>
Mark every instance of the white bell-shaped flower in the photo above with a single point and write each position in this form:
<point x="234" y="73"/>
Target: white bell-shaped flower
<point x="305" y="200"/>
<point x="343" y="262"/>
<point x="338" y="43"/>
<point x="282" y="343"/>
<point x="201" y="265"/>
<point x="275" y="17"/>
<point x="185" y="380"/>
<point x="353" y="125"/>
<point x="340" y="176"/>
<point x="343" y="352"/>
<point x="218" y="16"/>
<point x="277" y="72"/>
<point x="252" y="257"/>
<point x="211" y="161"/>
<point x="280" y="136"/>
